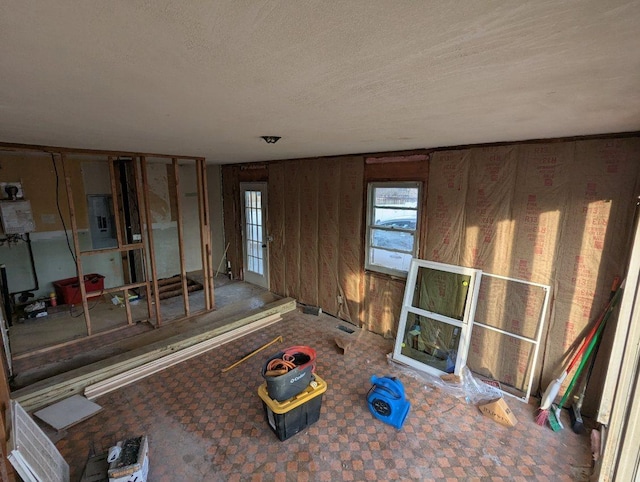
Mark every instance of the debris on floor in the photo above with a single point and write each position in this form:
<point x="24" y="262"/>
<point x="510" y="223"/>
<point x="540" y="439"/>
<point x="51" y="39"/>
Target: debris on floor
<point x="312" y="310"/>
<point x="96" y="469"/>
<point x="129" y="460"/>
<point x="499" y="411"/>
<point x="343" y="343"/>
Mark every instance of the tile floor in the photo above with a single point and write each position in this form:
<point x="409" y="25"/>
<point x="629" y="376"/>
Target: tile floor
<point x="204" y="425"/>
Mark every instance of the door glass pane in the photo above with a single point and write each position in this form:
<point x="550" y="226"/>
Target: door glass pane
<point x="253" y="231"/>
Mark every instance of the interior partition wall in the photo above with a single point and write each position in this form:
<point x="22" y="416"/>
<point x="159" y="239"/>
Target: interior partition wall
<point x="116" y="218"/>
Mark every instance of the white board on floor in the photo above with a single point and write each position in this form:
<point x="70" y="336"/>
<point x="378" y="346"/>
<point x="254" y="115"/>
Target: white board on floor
<point x="68" y="412"/>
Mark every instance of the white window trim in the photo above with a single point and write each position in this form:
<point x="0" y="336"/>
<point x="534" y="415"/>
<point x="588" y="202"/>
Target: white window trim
<point x="370" y="209"/>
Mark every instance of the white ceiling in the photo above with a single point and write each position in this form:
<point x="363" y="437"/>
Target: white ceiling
<point x="208" y="78"/>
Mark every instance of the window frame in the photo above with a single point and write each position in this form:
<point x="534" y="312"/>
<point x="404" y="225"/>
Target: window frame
<point x="465" y="325"/>
<point x="371" y="186"/>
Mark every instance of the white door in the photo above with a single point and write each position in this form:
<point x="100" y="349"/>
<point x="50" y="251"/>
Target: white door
<point x="254" y="215"/>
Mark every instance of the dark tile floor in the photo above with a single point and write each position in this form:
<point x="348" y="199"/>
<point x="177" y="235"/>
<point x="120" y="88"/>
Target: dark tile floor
<point x="204" y="425"/>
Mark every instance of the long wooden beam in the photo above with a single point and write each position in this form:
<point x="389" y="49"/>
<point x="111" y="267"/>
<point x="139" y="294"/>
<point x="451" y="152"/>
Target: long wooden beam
<point x="183" y="270"/>
<point x="205" y="235"/>
<point x="124" y="247"/>
<point x="152" y="251"/>
<point x="78" y="257"/>
<point x="144" y="227"/>
<point x="49" y="391"/>
<point x="9" y="146"/>
<point x="138" y="373"/>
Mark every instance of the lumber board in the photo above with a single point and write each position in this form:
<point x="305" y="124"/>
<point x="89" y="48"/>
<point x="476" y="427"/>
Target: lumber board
<point x="51" y="390"/>
<point x="152" y="253"/>
<point x="126" y="378"/>
<point x="76" y="248"/>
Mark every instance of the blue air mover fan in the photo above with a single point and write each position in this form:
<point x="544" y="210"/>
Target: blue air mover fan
<point x="387" y="402"/>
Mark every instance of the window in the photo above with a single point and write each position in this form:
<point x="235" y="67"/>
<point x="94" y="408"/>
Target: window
<point x="438" y="309"/>
<point x="392" y="226"/>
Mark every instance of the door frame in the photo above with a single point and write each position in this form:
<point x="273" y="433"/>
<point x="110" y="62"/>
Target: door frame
<point x="262" y="187"/>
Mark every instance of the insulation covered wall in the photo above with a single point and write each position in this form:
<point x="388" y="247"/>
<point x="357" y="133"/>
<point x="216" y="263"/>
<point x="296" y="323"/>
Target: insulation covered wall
<point x="315" y="219"/>
<point x="555" y="213"/>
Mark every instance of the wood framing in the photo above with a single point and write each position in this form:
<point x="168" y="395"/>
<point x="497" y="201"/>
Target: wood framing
<point x="205" y="234"/>
<point x="143" y="231"/>
<point x="10" y="146"/>
<point x="78" y="260"/>
<point x="152" y="252"/>
<point x="116" y="202"/>
<point x="183" y="271"/>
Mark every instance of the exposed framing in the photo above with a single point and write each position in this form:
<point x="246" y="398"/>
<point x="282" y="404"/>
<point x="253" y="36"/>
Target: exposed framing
<point x="465" y="325"/>
<point x="183" y="271"/>
<point x="149" y="231"/>
<point x="534" y="341"/>
<point x="205" y="234"/>
<point x="146" y="243"/>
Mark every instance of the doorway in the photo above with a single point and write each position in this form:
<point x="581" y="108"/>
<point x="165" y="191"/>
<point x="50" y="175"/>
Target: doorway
<point x="254" y="246"/>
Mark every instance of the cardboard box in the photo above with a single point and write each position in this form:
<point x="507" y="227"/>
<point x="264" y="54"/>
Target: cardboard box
<point x="499" y="411"/>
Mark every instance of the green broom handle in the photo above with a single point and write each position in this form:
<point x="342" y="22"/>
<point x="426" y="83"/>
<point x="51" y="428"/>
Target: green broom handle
<point x="592" y="343"/>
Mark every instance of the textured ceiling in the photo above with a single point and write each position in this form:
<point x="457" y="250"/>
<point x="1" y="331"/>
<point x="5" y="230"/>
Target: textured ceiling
<point x="208" y="78"/>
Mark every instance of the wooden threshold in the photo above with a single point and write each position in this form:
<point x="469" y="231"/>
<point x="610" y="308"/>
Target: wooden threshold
<point x="46" y="392"/>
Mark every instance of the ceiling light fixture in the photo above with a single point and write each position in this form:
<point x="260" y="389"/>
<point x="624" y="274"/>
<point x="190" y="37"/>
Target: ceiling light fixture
<point x="271" y="139"/>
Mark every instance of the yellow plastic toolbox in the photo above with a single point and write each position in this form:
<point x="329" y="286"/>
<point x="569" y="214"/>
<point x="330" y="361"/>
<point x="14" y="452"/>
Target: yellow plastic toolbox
<point x="289" y="417"/>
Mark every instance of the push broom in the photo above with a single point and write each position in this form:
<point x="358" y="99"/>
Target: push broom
<point x="592" y="343"/>
<point x="553" y="388"/>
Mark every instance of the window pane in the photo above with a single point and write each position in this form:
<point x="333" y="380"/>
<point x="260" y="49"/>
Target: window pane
<point x="392" y="239"/>
<point x="395" y="218"/>
<point x="389" y="259"/>
<point x="431" y="342"/>
<point x="396" y="196"/>
<point x="442" y="292"/>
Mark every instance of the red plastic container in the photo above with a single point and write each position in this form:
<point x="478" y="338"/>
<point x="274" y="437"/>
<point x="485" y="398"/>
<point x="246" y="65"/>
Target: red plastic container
<point x="68" y="290"/>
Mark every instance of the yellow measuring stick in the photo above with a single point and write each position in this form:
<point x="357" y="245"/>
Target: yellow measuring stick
<point x="275" y="340"/>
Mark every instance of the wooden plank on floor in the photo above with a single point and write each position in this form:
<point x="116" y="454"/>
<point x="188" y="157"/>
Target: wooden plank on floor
<point x="74" y="382"/>
<point x="126" y="378"/>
